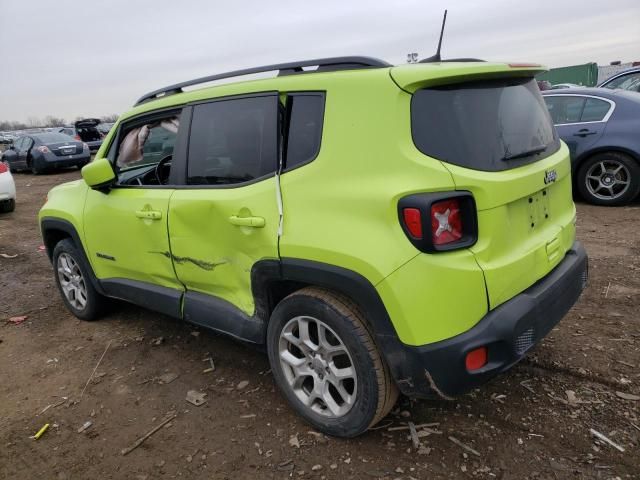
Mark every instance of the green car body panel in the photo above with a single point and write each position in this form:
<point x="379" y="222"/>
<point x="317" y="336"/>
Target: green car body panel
<point x="340" y="209"/>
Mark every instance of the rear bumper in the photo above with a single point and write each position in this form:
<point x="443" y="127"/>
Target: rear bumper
<point x="52" y="160"/>
<point x="508" y="332"/>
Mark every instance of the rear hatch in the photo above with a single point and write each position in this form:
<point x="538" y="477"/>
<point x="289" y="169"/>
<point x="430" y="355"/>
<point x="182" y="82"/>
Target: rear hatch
<point x="489" y="126"/>
<point x="87" y="129"/>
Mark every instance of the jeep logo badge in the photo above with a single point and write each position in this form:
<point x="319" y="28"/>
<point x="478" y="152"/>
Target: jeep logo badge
<point x="550" y="176"/>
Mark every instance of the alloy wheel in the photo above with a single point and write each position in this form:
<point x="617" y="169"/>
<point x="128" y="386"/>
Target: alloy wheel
<point x="71" y="281"/>
<point x="318" y="366"/>
<point x="608" y="179"/>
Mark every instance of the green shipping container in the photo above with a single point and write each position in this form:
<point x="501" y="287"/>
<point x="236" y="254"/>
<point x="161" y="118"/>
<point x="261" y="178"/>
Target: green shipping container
<point x="586" y="75"/>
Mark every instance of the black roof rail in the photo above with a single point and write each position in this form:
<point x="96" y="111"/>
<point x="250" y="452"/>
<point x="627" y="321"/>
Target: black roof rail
<point x="323" y="64"/>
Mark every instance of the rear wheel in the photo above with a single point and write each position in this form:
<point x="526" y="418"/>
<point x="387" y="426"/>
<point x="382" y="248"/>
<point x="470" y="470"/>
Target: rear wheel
<point x="609" y="179"/>
<point x="326" y="363"/>
<point x="74" y="282"/>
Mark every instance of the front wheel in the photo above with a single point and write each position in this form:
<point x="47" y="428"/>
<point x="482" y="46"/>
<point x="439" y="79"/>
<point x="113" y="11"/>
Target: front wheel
<point x="609" y="179"/>
<point x="326" y="363"/>
<point x="74" y="282"/>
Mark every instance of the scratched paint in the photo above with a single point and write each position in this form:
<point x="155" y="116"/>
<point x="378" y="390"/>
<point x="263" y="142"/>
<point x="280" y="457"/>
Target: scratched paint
<point x="197" y="262"/>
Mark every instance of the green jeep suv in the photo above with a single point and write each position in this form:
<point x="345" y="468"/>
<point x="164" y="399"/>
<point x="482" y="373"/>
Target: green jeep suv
<point x="378" y="229"/>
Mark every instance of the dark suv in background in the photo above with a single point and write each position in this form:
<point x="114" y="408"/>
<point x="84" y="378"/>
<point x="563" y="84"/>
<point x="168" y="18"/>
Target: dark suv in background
<point x="85" y="131"/>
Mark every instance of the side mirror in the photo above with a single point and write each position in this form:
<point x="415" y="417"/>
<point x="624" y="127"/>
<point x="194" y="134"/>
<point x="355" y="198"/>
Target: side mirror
<point x="98" y="174"/>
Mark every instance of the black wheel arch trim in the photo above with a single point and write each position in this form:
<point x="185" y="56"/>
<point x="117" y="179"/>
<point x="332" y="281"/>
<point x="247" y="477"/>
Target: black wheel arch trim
<point x="49" y="225"/>
<point x="346" y="282"/>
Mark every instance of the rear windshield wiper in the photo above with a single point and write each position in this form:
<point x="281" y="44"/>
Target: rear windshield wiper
<point x="525" y="153"/>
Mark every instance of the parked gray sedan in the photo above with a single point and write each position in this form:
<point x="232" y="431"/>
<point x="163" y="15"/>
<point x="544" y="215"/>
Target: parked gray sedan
<point x="41" y="151"/>
<point x="602" y="129"/>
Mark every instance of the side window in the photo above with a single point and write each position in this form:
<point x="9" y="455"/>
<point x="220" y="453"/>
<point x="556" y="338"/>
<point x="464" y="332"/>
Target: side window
<point x="147" y="144"/>
<point x="595" y="110"/>
<point x="27" y="143"/>
<point x="233" y="141"/>
<point x="18" y="144"/>
<point x="305" y="112"/>
<point x="565" y="109"/>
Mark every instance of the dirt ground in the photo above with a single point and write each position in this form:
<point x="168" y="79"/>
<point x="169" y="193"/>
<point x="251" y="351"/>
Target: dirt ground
<point x="533" y="422"/>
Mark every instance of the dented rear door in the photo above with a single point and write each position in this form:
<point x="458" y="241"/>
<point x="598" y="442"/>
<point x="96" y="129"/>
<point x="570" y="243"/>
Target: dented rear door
<point x="226" y="217"/>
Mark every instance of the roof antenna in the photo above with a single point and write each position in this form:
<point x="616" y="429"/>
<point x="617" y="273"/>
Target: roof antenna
<point x="436" y="57"/>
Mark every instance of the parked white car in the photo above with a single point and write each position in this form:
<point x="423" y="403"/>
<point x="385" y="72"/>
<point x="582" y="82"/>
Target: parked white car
<point x="7" y="189"/>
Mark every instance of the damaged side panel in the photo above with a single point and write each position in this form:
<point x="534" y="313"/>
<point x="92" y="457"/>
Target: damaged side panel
<point x="212" y="252"/>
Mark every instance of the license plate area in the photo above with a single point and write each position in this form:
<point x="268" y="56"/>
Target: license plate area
<point x="538" y="204"/>
<point x="68" y="151"/>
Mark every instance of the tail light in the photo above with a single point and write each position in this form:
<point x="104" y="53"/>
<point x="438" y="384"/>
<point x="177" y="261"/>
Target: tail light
<point x="77" y="137"/>
<point x="439" y="221"/>
<point x="43" y="149"/>
<point x="3" y="167"/>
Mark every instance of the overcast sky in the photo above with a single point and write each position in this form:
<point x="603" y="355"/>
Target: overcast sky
<point x="73" y="58"/>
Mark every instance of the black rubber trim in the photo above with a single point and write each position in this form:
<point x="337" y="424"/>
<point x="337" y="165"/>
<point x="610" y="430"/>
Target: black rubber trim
<point x="50" y="228"/>
<point x="153" y="297"/>
<point x="530" y="315"/>
<point x="218" y="314"/>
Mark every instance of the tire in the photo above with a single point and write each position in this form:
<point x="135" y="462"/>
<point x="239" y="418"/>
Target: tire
<point x="8" y="206"/>
<point x="609" y="179"/>
<point x="365" y="398"/>
<point x="67" y="257"/>
<point x="35" y="170"/>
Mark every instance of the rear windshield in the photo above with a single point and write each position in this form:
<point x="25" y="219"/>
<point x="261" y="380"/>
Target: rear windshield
<point x="52" y="137"/>
<point x="491" y="125"/>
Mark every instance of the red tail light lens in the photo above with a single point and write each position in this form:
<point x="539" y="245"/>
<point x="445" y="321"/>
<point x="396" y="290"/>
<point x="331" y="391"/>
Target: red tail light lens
<point x="43" y="149"/>
<point x="439" y="221"/>
<point x="3" y="167"/>
<point x="476" y="359"/>
<point x="77" y="137"/>
<point x="446" y="222"/>
<point x="413" y="221"/>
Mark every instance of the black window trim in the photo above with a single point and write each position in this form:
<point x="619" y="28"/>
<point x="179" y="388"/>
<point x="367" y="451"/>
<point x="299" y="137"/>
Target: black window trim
<point x="605" y="119"/>
<point x="285" y="136"/>
<point x="183" y="185"/>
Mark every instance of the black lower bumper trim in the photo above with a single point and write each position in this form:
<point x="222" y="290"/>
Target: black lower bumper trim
<point x="508" y="332"/>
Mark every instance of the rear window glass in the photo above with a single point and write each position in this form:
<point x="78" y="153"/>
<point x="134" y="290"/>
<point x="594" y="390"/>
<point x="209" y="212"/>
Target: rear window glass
<point x="565" y="109"/>
<point x="490" y="126"/>
<point x="53" y="137"/>
<point x="595" y="110"/>
<point x="305" y="128"/>
<point x="233" y="141"/>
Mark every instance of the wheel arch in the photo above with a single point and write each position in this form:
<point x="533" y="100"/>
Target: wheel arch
<point x="54" y="230"/>
<point x="273" y="280"/>
<point x="604" y="149"/>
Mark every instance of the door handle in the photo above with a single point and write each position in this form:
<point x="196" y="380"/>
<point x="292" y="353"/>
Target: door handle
<point x="257" y="222"/>
<point x="584" y="132"/>
<point x="149" y="214"/>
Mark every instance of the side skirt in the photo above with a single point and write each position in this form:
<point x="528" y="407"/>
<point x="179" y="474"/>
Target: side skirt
<point x="219" y="315"/>
<point x="153" y="297"/>
<point x="198" y="308"/>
